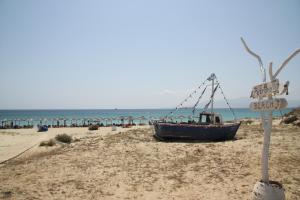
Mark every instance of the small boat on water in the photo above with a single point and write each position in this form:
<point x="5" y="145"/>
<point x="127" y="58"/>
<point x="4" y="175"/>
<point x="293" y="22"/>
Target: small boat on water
<point x="209" y="126"/>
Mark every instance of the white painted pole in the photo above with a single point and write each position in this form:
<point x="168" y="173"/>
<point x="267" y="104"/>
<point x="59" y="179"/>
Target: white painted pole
<point x="268" y="124"/>
<point x="266" y="145"/>
<point x="267" y="190"/>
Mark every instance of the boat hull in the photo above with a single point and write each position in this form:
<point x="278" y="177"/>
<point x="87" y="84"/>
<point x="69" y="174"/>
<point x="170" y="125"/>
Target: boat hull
<point x="165" y="131"/>
<point x="43" y="128"/>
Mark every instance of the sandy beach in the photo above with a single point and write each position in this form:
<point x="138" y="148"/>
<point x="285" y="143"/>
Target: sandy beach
<point x="131" y="164"/>
<point x="14" y="141"/>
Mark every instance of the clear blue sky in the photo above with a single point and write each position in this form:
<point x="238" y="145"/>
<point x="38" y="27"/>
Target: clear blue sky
<point x="139" y="54"/>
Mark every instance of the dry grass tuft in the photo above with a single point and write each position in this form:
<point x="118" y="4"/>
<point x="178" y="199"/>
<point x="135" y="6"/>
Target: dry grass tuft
<point x="48" y="143"/>
<point x="93" y="127"/>
<point x="64" y="138"/>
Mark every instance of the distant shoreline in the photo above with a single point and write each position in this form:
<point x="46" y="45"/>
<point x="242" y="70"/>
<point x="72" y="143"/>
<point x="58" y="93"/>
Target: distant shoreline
<point x="83" y="109"/>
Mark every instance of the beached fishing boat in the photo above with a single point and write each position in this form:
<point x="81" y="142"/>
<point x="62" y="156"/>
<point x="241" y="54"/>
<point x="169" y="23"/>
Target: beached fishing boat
<point x="208" y="126"/>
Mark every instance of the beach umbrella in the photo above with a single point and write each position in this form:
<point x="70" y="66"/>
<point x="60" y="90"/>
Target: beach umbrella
<point x="97" y="120"/>
<point x="130" y="120"/>
<point x="3" y="121"/>
<point x="170" y="118"/>
<point x="21" y="121"/>
<point x="191" y="118"/>
<point x="52" y="121"/>
<point x="75" y="121"/>
<point x="142" y="118"/>
<point x="10" y="122"/>
<point x="117" y="119"/>
<point x="113" y="119"/>
<point x="105" y="119"/>
<point x="89" y="120"/>
<point x="181" y="117"/>
<point x="78" y="121"/>
<point x="28" y="121"/>
<point x="122" y="118"/>
<point x="65" y="122"/>
<point x="16" y="121"/>
<point x="44" y="121"/>
<point x="59" y="121"/>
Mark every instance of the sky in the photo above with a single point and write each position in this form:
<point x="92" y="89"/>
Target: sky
<point x="76" y="54"/>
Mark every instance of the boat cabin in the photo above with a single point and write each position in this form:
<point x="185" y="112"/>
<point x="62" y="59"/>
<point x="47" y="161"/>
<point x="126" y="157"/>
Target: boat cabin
<point x="210" y="118"/>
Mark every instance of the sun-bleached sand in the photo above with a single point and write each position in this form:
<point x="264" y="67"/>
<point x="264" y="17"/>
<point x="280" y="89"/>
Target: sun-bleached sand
<point x="131" y="164"/>
<point x="14" y="141"/>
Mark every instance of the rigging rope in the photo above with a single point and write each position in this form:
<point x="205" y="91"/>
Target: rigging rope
<point x="196" y="104"/>
<point x="206" y="106"/>
<point x="185" y="100"/>
<point x="232" y="111"/>
<point x="211" y="96"/>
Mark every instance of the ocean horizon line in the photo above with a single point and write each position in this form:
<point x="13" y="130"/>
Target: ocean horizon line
<point x="57" y="109"/>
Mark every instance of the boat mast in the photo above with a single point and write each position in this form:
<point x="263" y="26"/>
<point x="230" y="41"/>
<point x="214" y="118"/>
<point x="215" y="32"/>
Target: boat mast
<point x="212" y="97"/>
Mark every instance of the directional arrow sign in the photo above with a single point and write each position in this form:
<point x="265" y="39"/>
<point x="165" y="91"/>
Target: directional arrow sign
<point x="268" y="105"/>
<point x="265" y="89"/>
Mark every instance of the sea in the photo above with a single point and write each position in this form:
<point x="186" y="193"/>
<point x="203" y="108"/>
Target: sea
<point x="23" y="117"/>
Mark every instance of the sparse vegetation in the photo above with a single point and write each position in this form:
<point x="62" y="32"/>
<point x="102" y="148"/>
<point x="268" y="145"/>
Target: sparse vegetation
<point x="76" y="140"/>
<point x="247" y="122"/>
<point x="93" y="127"/>
<point x="292" y="117"/>
<point x="64" y="138"/>
<point x="48" y="143"/>
<point x="289" y="119"/>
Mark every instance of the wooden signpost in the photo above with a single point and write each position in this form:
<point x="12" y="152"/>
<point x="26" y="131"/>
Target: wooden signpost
<point x="266" y="189"/>
<point x="269" y="104"/>
<point x="265" y="89"/>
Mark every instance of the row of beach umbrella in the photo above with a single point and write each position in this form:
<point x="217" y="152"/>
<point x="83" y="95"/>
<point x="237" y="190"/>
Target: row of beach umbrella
<point x="76" y="121"/>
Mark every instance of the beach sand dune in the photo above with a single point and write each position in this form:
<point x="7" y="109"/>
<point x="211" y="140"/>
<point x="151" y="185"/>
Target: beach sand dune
<point x="133" y="165"/>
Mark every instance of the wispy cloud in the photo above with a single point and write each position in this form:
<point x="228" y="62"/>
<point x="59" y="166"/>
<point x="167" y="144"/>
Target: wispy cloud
<point x="168" y="92"/>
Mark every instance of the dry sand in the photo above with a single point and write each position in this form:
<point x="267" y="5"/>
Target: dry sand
<point x="133" y="165"/>
<point x="14" y="141"/>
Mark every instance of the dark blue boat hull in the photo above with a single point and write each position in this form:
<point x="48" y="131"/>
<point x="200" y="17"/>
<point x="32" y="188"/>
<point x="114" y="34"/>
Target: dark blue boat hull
<point x="42" y="128"/>
<point x="164" y="131"/>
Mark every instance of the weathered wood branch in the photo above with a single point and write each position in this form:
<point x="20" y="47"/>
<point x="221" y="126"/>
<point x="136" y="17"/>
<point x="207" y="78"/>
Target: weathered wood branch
<point x="286" y="62"/>
<point x="262" y="69"/>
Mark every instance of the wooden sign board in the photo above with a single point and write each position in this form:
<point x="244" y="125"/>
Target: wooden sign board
<point x="265" y="89"/>
<point x="269" y="105"/>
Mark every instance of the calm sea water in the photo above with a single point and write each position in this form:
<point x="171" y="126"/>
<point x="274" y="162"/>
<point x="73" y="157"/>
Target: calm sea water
<point x="37" y="115"/>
